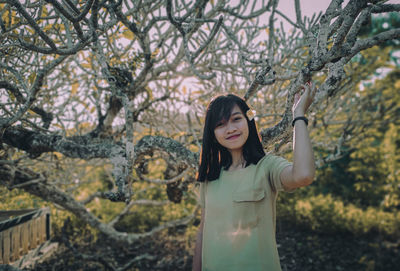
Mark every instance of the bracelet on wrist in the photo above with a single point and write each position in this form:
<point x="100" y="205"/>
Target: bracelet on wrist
<point x="300" y="118"/>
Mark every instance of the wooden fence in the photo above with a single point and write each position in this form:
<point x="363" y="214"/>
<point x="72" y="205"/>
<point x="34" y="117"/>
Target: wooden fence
<point x="22" y="231"/>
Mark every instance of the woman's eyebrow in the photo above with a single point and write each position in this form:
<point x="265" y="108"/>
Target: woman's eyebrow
<point x="236" y="113"/>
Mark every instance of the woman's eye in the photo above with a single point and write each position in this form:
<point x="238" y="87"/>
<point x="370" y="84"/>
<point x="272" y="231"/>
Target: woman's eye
<point x="238" y="118"/>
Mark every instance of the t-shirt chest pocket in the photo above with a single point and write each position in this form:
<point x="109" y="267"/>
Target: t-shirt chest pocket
<point x="247" y="207"/>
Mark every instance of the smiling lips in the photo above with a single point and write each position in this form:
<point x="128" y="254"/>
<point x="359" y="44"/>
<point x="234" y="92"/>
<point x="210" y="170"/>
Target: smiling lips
<point x="232" y="137"/>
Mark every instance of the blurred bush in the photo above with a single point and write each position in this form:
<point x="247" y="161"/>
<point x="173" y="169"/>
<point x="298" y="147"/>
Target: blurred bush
<point x="326" y="214"/>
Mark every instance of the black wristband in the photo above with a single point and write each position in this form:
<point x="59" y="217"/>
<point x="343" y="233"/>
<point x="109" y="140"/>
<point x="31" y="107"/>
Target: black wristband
<point x="300" y="118"/>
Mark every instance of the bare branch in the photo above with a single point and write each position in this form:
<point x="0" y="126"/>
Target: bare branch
<point x="32" y="23"/>
<point x="381" y="8"/>
<point x="375" y="40"/>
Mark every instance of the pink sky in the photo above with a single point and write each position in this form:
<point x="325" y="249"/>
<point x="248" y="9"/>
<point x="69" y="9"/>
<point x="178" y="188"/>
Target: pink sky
<point x="308" y="7"/>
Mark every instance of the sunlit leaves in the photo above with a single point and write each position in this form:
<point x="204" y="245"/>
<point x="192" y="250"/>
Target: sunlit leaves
<point x="128" y="34"/>
<point x="74" y="88"/>
<point x="8" y="16"/>
<point x="32" y="77"/>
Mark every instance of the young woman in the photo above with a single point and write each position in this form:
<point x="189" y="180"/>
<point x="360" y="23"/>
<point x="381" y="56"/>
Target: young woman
<point x="239" y="185"/>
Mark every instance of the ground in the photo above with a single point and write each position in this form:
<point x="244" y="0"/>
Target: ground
<point x="299" y="249"/>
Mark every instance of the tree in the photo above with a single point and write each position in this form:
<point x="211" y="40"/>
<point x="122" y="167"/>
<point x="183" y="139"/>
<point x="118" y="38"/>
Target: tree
<point x="101" y="84"/>
<point x="361" y="175"/>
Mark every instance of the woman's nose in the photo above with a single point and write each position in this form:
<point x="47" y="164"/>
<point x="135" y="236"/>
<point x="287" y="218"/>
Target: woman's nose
<point x="230" y="128"/>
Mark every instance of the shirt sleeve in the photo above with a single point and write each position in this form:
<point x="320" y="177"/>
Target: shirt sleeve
<point x="273" y="166"/>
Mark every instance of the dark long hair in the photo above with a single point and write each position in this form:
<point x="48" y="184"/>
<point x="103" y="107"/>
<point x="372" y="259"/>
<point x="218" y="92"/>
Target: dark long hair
<point x="213" y="155"/>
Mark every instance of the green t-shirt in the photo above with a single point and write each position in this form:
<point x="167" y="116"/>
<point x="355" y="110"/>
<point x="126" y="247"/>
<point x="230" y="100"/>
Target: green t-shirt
<point x="239" y="224"/>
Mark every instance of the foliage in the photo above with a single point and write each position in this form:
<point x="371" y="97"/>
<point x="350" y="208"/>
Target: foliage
<point x="329" y="215"/>
<point x="367" y="173"/>
<point x="379" y="23"/>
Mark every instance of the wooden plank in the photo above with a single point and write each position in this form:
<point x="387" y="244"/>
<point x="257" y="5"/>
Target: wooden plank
<point x="14" y="243"/>
<point x="25" y="237"/>
<point x="12" y="246"/>
<point x="37" y="231"/>
<point x="33" y="234"/>
<point x="6" y="246"/>
<point x="15" y="212"/>
<point x="15" y="218"/>
<point x="40" y="229"/>
<point x="18" y="243"/>
<point x="44" y="236"/>
<point x="1" y="247"/>
<point x="19" y="240"/>
<point x="25" y="234"/>
<point x="29" y="230"/>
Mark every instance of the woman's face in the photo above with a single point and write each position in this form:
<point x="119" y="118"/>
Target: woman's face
<point x="233" y="133"/>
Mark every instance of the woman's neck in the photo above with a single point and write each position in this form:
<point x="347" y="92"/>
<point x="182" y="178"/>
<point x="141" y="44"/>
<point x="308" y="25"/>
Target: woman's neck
<point x="238" y="160"/>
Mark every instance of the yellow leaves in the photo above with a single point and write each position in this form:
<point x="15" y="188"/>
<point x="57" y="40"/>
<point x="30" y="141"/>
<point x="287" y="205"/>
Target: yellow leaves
<point x="194" y="148"/>
<point x="267" y="30"/>
<point x="11" y="95"/>
<point x="184" y="90"/>
<point x="86" y="65"/>
<point x="397" y="84"/>
<point x="115" y="61"/>
<point x="85" y="125"/>
<point x="7" y="19"/>
<point x="197" y="92"/>
<point x="58" y="155"/>
<point x="57" y="27"/>
<point x="32" y="113"/>
<point x="47" y="27"/>
<point x="180" y="134"/>
<point x="128" y="34"/>
<point x="150" y="93"/>
<point x="74" y="88"/>
<point x="305" y="53"/>
<point x="30" y="30"/>
<point x="156" y="168"/>
<point x="58" y="125"/>
<point x="155" y="53"/>
<point x="32" y="77"/>
<point x="60" y="27"/>
<point x="44" y="12"/>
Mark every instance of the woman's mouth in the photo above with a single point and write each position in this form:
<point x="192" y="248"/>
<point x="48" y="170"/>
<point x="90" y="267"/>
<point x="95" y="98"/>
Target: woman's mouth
<point x="232" y="137"/>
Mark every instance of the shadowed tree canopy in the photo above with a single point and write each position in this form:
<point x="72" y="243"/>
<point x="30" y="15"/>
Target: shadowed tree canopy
<point x="123" y="85"/>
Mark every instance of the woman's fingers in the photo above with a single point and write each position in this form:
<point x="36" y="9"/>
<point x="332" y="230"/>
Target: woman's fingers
<point x="310" y="88"/>
<point x="296" y="97"/>
<point x="304" y="98"/>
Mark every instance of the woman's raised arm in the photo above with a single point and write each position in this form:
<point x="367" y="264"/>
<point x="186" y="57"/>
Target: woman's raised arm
<point x="302" y="172"/>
